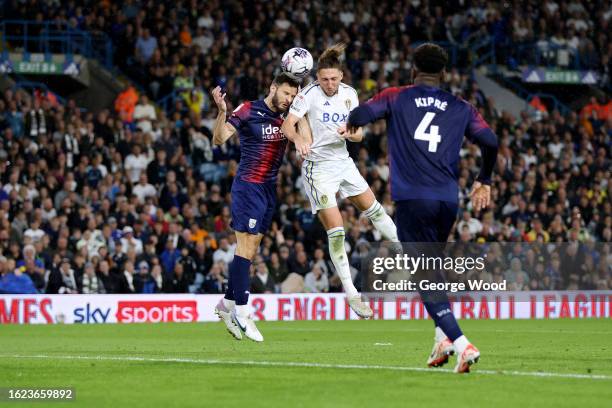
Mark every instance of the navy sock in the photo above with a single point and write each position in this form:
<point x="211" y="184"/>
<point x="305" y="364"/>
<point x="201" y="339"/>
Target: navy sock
<point x="240" y="278"/>
<point x="229" y="293"/>
<point x="439" y="309"/>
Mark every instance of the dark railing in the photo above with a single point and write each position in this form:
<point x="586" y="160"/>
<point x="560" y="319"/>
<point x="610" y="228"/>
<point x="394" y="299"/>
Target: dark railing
<point x="547" y="54"/>
<point x="483" y="52"/>
<point x="556" y="103"/>
<point x="528" y="96"/>
<point x="35" y="86"/>
<point x="22" y="83"/>
<point x="55" y="38"/>
<point x="167" y="102"/>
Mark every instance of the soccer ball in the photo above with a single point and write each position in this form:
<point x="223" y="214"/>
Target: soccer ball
<point x="297" y="62"/>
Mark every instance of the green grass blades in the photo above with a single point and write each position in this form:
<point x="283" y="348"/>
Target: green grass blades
<point x="556" y="363"/>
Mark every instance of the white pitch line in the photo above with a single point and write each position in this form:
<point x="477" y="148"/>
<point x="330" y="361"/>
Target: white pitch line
<point x="429" y="329"/>
<point x="383" y="344"/>
<point x="546" y="331"/>
<point x="307" y="365"/>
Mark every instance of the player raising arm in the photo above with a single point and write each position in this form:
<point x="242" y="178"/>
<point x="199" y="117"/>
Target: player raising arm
<point x="328" y="169"/>
<point x="262" y="148"/>
<point x="426" y="126"/>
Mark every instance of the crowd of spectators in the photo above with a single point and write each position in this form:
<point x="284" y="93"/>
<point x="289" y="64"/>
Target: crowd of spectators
<point x="135" y="199"/>
<point x="189" y="47"/>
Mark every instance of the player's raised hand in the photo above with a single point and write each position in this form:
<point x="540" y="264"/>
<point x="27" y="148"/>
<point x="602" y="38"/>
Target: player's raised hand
<point x="219" y="99"/>
<point x="481" y="195"/>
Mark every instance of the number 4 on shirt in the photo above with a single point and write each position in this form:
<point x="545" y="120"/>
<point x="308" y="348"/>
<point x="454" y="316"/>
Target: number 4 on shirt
<point x="432" y="137"/>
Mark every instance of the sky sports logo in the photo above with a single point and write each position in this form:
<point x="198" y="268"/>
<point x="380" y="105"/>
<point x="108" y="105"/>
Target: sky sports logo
<point x="138" y="312"/>
<point x="157" y="311"/>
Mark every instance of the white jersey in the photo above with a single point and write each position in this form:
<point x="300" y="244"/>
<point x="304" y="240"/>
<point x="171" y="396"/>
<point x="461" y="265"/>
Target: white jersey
<point x="325" y="115"/>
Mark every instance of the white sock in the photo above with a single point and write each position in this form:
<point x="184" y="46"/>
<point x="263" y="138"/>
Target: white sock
<point x="337" y="253"/>
<point x="242" y="310"/>
<point x="229" y="304"/>
<point x="440" y="335"/>
<point x="382" y="222"/>
<point x="460" y="344"/>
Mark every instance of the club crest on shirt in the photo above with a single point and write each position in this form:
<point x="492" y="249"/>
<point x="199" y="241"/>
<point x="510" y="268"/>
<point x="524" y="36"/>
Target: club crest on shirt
<point x="347" y="103"/>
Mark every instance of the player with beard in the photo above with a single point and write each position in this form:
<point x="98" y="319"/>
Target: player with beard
<point x="262" y="147"/>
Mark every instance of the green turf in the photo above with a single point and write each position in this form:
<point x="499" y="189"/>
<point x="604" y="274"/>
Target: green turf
<point x="561" y="346"/>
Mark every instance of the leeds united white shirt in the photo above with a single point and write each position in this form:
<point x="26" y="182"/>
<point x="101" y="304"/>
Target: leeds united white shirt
<point x="325" y="115"/>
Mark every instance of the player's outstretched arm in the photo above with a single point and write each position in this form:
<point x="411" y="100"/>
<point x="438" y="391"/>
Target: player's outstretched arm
<point x="360" y="116"/>
<point x="303" y="128"/>
<point x="302" y="143"/>
<point x="371" y="111"/>
<point x="222" y="130"/>
<point x="479" y="132"/>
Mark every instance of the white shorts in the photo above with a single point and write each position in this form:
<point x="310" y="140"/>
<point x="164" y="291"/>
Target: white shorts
<point x="323" y="179"/>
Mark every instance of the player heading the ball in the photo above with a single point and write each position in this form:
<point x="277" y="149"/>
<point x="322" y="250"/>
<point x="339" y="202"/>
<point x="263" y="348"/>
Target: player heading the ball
<point x="262" y="147"/>
<point x="328" y="169"/>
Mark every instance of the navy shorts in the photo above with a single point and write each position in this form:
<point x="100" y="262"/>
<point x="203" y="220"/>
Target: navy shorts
<point x="424" y="220"/>
<point x="253" y="206"/>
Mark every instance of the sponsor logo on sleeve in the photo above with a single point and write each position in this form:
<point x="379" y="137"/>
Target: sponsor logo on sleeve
<point x="299" y="103"/>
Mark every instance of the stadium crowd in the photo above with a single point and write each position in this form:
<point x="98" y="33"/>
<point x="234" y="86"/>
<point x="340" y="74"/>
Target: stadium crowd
<point x="189" y="47"/>
<point x="134" y="199"/>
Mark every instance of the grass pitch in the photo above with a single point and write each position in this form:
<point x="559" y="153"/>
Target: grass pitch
<point x="556" y="363"/>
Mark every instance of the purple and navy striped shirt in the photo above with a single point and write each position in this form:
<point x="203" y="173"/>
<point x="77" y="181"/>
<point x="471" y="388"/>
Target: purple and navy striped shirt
<point x="262" y="143"/>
